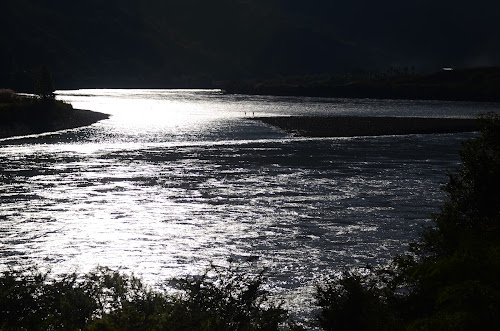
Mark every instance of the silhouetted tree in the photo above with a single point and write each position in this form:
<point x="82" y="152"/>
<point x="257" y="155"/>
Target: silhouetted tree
<point x="44" y="83"/>
<point x="472" y="210"/>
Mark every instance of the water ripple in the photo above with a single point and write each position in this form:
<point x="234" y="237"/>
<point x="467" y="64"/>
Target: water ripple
<point x="164" y="203"/>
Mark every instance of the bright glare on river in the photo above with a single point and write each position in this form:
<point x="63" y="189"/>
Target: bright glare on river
<point x="177" y="179"/>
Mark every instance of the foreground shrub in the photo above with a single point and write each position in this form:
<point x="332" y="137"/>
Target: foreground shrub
<point x="7" y="96"/>
<point x="220" y="299"/>
<point x="30" y="300"/>
<point x="353" y="300"/>
<point x="44" y="83"/>
<point x="226" y="299"/>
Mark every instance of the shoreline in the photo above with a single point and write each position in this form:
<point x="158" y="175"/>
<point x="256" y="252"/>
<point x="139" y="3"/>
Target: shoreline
<point x="75" y="118"/>
<point x="352" y="126"/>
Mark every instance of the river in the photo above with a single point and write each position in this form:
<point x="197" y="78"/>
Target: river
<point x="177" y="179"/>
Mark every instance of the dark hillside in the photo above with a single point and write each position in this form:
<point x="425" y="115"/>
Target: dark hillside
<point x="477" y="84"/>
<point x="115" y="44"/>
<point x="194" y="43"/>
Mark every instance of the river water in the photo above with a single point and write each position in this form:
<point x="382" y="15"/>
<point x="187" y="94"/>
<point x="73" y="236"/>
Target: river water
<point x="176" y="179"/>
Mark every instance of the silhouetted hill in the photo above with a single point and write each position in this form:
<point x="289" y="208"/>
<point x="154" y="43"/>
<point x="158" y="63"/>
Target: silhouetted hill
<point x="194" y="43"/>
<point x="476" y="84"/>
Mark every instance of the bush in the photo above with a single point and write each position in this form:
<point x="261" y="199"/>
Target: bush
<point x="8" y="96"/>
<point x="472" y="210"/>
<point x="226" y="299"/>
<point x="220" y="299"/>
<point x="30" y="300"/>
<point x="30" y="111"/>
<point x="354" y="301"/>
<point x="44" y="83"/>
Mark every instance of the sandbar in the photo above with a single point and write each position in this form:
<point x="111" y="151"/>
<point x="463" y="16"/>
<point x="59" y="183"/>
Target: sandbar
<point x="352" y="126"/>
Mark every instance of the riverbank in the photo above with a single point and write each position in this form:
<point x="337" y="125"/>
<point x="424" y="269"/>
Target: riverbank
<point x="351" y="126"/>
<point x="74" y="118"/>
<point x="22" y="115"/>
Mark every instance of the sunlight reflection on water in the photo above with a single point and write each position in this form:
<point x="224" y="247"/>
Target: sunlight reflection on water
<point x="177" y="179"/>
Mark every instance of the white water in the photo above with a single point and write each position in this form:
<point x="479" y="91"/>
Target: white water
<point x="175" y="180"/>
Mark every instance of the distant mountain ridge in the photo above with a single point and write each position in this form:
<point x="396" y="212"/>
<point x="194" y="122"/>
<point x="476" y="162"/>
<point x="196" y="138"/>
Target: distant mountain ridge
<point x="474" y="84"/>
<point x="194" y="43"/>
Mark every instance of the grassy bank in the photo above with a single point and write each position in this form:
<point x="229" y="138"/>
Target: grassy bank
<point x="24" y="115"/>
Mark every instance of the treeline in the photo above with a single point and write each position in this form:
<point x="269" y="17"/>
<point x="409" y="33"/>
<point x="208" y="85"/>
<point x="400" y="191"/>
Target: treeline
<point x="478" y="84"/>
<point x="448" y="279"/>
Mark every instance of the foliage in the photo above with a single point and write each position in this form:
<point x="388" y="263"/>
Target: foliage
<point x="34" y="112"/>
<point x="12" y="102"/>
<point x="30" y="300"/>
<point x="353" y="301"/>
<point x="472" y="211"/>
<point x="7" y="96"/>
<point x="449" y="278"/>
<point x="455" y="263"/>
<point x="44" y="83"/>
<point x="124" y="302"/>
<point x="24" y="115"/>
<point x="227" y="300"/>
<point x="108" y="300"/>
